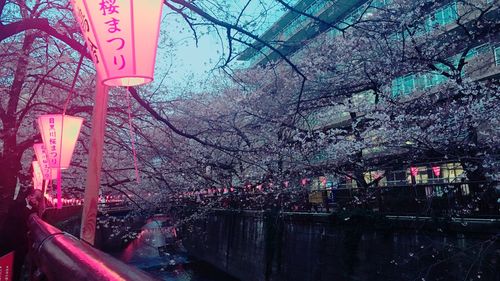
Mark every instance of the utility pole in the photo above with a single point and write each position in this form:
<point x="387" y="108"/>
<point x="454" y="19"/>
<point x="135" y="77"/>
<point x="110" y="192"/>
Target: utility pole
<point x="89" y="214"/>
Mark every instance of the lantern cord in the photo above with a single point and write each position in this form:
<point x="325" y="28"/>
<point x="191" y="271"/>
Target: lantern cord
<point x="132" y="137"/>
<point x="72" y="89"/>
<point x="68" y="99"/>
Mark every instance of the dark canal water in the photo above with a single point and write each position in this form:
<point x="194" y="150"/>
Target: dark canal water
<point x="172" y="264"/>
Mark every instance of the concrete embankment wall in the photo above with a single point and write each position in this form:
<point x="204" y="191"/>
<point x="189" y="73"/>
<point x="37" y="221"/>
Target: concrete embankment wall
<point x="274" y="246"/>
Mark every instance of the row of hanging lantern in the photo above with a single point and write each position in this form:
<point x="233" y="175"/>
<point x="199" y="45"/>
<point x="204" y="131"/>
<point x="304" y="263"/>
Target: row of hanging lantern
<point x="436" y="170"/>
<point x="65" y="201"/>
<point x="121" y="37"/>
<point x="59" y="135"/>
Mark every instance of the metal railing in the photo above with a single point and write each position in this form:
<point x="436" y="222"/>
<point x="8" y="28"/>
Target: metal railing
<point x="61" y="256"/>
<point x="467" y="199"/>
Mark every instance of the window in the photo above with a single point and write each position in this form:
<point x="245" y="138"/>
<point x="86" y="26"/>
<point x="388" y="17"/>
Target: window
<point x="405" y="85"/>
<point x="442" y="17"/>
<point x="294" y="25"/>
<point x="464" y="189"/>
<point x="380" y="3"/>
<point x="397" y="87"/>
<point x="452" y="172"/>
<point x="434" y="78"/>
<point x="374" y="175"/>
<point x="478" y="50"/>
<point x="421" y="177"/>
<point x="434" y="191"/>
<point x="429" y="191"/>
<point x="449" y="14"/>
<point x="334" y="32"/>
<point x="349" y="183"/>
<point x="396" y="178"/>
<point x="316" y="7"/>
<point x="408" y="84"/>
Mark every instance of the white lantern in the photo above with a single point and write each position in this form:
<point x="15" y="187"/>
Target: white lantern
<point x="37" y="184"/>
<point x="52" y="131"/>
<point x="37" y="172"/>
<point x="122" y="38"/>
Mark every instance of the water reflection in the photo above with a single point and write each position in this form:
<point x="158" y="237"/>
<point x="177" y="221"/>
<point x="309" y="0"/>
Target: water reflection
<point x="158" y="251"/>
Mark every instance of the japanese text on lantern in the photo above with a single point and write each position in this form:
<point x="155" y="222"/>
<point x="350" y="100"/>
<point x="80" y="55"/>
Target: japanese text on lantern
<point x="45" y="163"/>
<point x="110" y="9"/>
<point x="52" y="149"/>
<point x="85" y="26"/>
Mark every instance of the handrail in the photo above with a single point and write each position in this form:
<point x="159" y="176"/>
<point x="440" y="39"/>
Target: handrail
<point x="61" y="256"/>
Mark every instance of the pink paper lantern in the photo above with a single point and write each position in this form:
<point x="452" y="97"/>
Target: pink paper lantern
<point x="43" y="162"/>
<point x="304" y="181"/>
<point x="322" y="180"/>
<point x="122" y="38"/>
<point x="414" y="171"/>
<point x="52" y="131"/>
<point x="436" y="170"/>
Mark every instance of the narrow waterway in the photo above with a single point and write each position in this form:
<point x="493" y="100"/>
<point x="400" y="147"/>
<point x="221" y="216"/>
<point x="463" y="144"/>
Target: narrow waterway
<point x="149" y="253"/>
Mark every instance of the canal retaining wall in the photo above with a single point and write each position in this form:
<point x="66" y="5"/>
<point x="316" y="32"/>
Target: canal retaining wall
<point x="253" y="245"/>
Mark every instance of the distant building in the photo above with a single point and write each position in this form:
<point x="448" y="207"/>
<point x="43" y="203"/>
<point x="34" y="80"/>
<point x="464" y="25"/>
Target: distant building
<point x="310" y="18"/>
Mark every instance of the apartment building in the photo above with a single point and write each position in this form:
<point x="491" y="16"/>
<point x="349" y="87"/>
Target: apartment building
<point x="308" y="19"/>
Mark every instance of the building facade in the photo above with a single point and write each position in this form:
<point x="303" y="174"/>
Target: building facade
<point x="473" y="55"/>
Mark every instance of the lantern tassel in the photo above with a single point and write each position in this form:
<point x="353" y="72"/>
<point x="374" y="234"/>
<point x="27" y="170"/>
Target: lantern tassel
<point x="132" y="137"/>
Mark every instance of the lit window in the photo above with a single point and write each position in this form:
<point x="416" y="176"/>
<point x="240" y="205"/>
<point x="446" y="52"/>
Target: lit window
<point x="452" y="172"/>
<point x="421" y="177"/>
<point x="409" y="84"/>
<point x="433" y="191"/>
<point x="442" y="17"/>
<point x="397" y="87"/>
<point x="374" y="175"/>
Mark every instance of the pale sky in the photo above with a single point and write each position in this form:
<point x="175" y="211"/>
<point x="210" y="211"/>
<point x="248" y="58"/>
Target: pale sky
<point x="189" y="66"/>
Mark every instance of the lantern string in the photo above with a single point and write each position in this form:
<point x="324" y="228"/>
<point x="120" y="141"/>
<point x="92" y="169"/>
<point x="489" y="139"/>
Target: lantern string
<point x="68" y="99"/>
<point x="73" y="83"/>
<point x="132" y="136"/>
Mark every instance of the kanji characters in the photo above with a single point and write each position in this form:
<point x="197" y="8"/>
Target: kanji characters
<point x="108" y="7"/>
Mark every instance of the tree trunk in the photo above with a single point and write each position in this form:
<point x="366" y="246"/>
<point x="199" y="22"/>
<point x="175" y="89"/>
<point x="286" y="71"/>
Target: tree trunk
<point x="11" y="165"/>
<point x="11" y="154"/>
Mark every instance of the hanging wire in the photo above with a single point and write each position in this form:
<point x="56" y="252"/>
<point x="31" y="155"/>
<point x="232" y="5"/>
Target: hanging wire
<point x="72" y="89"/>
<point x="132" y="136"/>
<point x="68" y="99"/>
